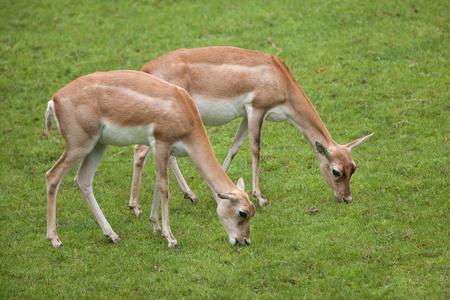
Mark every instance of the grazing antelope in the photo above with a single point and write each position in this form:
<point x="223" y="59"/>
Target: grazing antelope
<point x="227" y="83"/>
<point x="128" y="107"/>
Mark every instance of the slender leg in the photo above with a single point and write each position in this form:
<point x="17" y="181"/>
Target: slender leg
<point x="154" y="215"/>
<point x="140" y="156"/>
<point x="239" y="138"/>
<point x="161" y="156"/>
<point x="256" y="119"/>
<point x="84" y="180"/>
<point x="188" y="194"/>
<point x="67" y="161"/>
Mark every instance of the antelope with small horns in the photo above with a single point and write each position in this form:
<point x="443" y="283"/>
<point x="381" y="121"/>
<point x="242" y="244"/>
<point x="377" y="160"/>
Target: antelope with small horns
<point x="227" y="83"/>
<point x="129" y="107"/>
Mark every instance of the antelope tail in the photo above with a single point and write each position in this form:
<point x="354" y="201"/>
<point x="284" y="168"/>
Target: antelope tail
<point x="48" y="117"/>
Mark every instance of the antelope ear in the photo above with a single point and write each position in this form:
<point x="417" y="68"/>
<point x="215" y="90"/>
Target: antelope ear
<point x="358" y="142"/>
<point x="321" y="149"/>
<point x="241" y="184"/>
<point x="230" y="197"/>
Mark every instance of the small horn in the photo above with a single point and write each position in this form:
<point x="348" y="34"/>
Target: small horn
<point x="358" y="142"/>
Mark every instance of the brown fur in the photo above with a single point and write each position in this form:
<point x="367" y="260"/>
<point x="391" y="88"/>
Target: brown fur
<point x="224" y="73"/>
<point x="130" y="100"/>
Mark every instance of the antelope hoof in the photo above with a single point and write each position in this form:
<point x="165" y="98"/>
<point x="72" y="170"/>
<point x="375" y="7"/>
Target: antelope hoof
<point x="156" y="226"/>
<point x="137" y="210"/>
<point x="191" y="196"/>
<point x="171" y="239"/>
<point x="115" y="241"/>
<point x="114" y="237"/>
<point x="55" y="242"/>
<point x="262" y="200"/>
<point x="173" y="244"/>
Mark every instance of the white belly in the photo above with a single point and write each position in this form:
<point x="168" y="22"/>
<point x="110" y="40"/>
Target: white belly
<point x="125" y="136"/>
<point x="218" y="112"/>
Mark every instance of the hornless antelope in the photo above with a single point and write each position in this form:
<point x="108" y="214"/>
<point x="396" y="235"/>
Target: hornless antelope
<point x="228" y="83"/>
<point x="128" y="107"/>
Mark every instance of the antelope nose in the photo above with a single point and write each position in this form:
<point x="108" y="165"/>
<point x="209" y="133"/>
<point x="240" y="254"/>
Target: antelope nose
<point x="347" y="200"/>
<point x="245" y="242"/>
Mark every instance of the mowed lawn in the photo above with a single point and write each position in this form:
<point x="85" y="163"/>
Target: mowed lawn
<point x="367" y="66"/>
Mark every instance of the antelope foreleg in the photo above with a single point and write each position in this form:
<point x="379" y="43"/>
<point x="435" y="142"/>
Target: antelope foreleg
<point x="187" y="193"/>
<point x="161" y="156"/>
<point x="239" y="139"/>
<point x="140" y="156"/>
<point x="255" y="127"/>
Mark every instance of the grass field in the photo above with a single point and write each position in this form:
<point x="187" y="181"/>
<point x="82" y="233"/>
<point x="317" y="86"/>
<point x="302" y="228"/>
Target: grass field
<point x="367" y="66"/>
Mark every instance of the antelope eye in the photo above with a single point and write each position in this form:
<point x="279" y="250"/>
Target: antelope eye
<point x="336" y="173"/>
<point x="243" y="214"/>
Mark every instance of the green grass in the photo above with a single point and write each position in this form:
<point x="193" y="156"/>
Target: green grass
<point x="366" y="67"/>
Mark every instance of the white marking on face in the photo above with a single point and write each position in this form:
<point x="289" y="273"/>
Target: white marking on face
<point x="125" y="136"/>
<point x="216" y="112"/>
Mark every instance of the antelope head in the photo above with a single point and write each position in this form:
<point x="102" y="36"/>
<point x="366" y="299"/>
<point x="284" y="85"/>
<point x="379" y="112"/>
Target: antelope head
<point x="235" y="211"/>
<point x="337" y="167"/>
